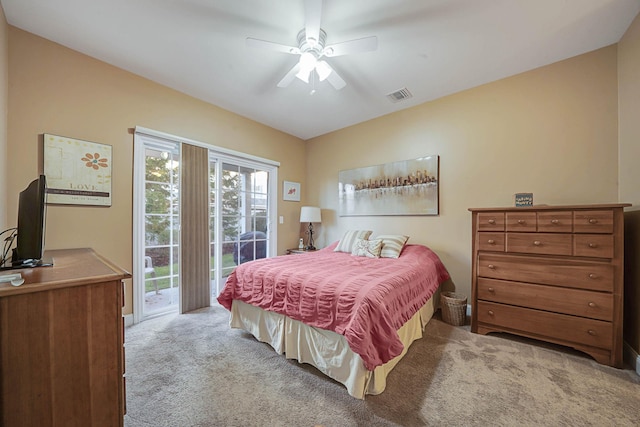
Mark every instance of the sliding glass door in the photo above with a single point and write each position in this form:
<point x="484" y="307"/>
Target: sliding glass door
<point x="242" y="192"/>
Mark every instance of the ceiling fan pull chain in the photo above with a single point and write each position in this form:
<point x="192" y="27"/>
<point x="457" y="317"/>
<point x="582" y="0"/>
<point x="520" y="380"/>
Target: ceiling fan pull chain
<point x="313" y="82"/>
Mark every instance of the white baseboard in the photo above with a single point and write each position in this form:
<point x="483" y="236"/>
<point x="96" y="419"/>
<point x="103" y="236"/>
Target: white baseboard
<point x="128" y="320"/>
<point x="469" y="310"/>
<point x="632" y="358"/>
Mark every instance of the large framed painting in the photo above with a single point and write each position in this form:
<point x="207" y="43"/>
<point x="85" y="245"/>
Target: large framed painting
<point x="408" y="187"/>
<point x="78" y="172"/>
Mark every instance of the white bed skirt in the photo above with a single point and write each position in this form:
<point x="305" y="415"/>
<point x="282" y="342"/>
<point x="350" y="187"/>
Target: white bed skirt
<point x="326" y="350"/>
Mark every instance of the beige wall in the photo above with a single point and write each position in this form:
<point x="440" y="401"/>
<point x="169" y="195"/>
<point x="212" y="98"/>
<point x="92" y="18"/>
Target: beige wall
<point x="629" y="137"/>
<point x="551" y="131"/>
<point x="4" y="82"/>
<point x="55" y="90"/>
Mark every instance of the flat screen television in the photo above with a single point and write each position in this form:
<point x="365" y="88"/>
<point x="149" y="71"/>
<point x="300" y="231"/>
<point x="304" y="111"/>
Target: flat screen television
<point x="30" y="231"/>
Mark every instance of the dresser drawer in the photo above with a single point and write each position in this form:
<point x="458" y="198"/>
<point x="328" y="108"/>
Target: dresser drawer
<point x="591" y="275"/>
<point x="595" y="333"/>
<point x="491" y="221"/>
<point x="491" y="242"/>
<point x="555" y="222"/>
<point x="521" y="221"/>
<point x="540" y="243"/>
<point x="577" y="302"/>
<point x="593" y="221"/>
<point x="593" y="245"/>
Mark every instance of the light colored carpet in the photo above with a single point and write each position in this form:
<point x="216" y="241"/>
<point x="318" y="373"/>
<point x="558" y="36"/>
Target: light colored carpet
<point x="193" y="370"/>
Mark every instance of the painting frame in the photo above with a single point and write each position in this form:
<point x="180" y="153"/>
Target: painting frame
<point x="406" y="187"/>
<point x="291" y="191"/>
<point x="78" y="172"/>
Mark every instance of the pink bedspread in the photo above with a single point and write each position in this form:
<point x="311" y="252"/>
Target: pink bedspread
<point x="365" y="299"/>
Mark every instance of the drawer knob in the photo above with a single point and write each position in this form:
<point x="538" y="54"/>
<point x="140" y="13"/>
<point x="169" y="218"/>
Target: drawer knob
<point x="492" y="221"/>
<point x="490" y="312"/>
<point x="491" y="266"/>
<point x="592" y="304"/>
<point x="554" y="221"/>
<point x="593" y="245"/>
<point x="537" y="242"/>
<point x="593" y="221"/>
<point x="491" y="290"/>
<point x="491" y="241"/>
<point x="593" y="276"/>
<point x="591" y="332"/>
<point x="521" y="221"/>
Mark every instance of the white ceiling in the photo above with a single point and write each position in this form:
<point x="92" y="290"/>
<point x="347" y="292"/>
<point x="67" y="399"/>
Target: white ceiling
<point x="431" y="47"/>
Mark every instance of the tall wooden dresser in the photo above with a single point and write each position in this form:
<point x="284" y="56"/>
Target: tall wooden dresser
<point x="553" y="273"/>
<point x="61" y="344"/>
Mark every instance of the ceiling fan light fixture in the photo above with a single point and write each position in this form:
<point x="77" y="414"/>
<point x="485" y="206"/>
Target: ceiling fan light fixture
<point x="307" y="61"/>
<point x="304" y="75"/>
<point x="323" y="69"/>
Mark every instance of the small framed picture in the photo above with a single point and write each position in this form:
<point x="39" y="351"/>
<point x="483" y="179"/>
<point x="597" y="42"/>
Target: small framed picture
<point x="291" y="191"/>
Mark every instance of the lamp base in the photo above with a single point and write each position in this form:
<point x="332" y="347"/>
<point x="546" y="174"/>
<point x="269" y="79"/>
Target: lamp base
<point x="310" y="248"/>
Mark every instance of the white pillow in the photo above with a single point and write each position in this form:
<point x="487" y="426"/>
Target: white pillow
<point x="346" y="243"/>
<point x="368" y="248"/>
<point x="392" y="245"/>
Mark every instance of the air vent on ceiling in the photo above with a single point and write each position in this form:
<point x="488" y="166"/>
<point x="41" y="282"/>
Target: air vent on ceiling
<point x="399" y="95"/>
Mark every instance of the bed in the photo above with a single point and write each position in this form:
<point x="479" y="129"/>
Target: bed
<point x="345" y="311"/>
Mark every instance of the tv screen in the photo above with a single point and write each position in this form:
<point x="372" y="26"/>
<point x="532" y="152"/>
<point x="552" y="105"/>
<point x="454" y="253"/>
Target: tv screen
<point x="31" y="225"/>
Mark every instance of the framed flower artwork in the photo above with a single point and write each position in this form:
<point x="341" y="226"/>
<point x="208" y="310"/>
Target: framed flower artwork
<point x="78" y="172"/>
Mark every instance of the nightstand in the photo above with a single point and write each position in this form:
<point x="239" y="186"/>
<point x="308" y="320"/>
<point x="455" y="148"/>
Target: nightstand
<point x="299" y="251"/>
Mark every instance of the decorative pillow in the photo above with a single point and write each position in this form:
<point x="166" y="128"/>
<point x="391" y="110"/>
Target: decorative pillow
<point x="346" y="243"/>
<point x="392" y="245"/>
<point x="368" y="248"/>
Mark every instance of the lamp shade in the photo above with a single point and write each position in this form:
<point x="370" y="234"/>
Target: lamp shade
<point x="310" y="214"/>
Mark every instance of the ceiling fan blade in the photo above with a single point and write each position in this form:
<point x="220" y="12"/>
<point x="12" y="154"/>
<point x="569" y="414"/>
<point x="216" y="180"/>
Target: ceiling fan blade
<point x="263" y="44"/>
<point x="335" y="80"/>
<point x="288" y="78"/>
<point x="365" y="44"/>
<point x="312" y="16"/>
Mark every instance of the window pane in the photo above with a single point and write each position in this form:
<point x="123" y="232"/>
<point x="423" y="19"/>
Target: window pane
<point x="230" y="178"/>
<point x="161" y="230"/>
<point x="160" y="166"/>
<point x="157" y="198"/>
<point x="260" y="182"/>
<point x="229" y="254"/>
<point x="230" y="202"/>
<point x="230" y="227"/>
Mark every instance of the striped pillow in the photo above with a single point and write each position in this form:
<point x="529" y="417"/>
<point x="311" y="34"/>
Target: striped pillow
<point x="368" y="248"/>
<point x="349" y="239"/>
<point x="392" y="245"/>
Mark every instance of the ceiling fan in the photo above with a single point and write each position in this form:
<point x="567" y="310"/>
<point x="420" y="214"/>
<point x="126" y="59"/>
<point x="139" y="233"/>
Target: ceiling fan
<point x="312" y="49"/>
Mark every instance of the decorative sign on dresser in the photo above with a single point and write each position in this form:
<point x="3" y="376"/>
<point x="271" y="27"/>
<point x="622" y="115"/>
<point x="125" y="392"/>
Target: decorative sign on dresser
<point x="553" y="273"/>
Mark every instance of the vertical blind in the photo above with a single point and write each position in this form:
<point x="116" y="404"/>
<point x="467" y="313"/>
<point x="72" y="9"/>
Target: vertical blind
<point x="194" y="231"/>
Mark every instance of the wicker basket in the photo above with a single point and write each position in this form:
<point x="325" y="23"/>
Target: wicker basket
<point x="454" y="308"/>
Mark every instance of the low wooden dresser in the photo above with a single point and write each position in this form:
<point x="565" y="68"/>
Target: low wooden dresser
<point x="62" y="337"/>
<point x="553" y="273"/>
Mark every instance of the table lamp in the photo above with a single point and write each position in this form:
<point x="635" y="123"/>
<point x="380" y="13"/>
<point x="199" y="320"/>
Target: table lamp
<point x="310" y="214"/>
